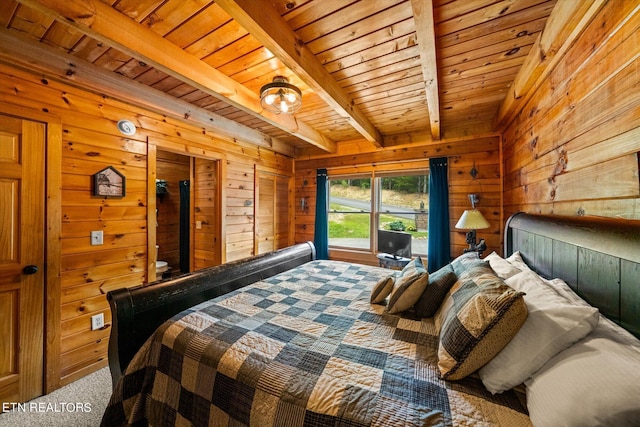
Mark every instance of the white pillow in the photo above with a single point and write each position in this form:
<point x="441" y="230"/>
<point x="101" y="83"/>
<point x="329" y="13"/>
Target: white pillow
<point x="501" y="266"/>
<point x="553" y="324"/>
<point x="515" y="259"/>
<point x="595" y="382"/>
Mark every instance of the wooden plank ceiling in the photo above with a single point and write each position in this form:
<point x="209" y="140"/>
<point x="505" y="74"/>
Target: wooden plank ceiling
<point x="388" y="71"/>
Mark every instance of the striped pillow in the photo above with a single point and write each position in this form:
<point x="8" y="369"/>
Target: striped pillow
<point x="439" y="284"/>
<point x="485" y="315"/>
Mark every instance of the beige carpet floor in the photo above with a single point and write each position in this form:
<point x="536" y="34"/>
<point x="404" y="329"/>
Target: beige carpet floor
<point x="79" y="404"/>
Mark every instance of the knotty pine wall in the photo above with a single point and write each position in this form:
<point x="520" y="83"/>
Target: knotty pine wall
<point x="573" y="150"/>
<point x="463" y="154"/>
<point x="78" y="274"/>
<point x="206" y="233"/>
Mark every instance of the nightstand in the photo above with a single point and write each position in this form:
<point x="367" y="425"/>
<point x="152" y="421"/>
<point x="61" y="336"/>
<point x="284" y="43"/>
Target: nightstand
<point x="388" y="261"/>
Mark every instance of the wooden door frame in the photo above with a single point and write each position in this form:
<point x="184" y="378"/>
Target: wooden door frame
<point x="165" y="144"/>
<point x="52" y="236"/>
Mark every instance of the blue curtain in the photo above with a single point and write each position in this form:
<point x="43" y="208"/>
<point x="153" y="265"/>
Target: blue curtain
<point x="321" y="234"/>
<point x="439" y="244"/>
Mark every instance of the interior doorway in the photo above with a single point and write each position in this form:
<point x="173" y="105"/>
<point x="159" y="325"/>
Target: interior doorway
<point x="172" y="209"/>
<point x="188" y="213"/>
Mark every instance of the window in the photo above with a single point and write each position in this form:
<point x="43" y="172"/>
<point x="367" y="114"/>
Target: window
<point x="403" y="206"/>
<point x="350" y="218"/>
<point x="359" y="205"/>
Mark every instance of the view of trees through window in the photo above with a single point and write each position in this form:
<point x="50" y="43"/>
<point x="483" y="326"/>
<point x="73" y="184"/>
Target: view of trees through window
<point x="359" y="205"/>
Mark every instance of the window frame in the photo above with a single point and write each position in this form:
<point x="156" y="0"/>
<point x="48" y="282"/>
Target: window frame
<point x="337" y="177"/>
<point x="375" y="203"/>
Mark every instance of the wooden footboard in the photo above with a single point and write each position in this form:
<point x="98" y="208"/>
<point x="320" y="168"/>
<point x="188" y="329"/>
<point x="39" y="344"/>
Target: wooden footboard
<point x="137" y="312"/>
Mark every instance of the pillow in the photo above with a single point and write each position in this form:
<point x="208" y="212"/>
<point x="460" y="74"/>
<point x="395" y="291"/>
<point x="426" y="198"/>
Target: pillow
<point x="484" y="317"/>
<point x="501" y="266"/>
<point x="515" y="259"/>
<point x="553" y="324"/>
<point x="415" y="266"/>
<point x="459" y="265"/>
<point x="562" y="288"/>
<point x="382" y="289"/>
<point x="596" y="381"/>
<point x="408" y="287"/>
<point x="439" y="284"/>
<point x="465" y="261"/>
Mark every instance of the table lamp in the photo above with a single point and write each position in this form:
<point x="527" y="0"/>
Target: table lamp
<point x="473" y="220"/>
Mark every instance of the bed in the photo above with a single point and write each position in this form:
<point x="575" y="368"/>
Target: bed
<point x="301" y="343"/>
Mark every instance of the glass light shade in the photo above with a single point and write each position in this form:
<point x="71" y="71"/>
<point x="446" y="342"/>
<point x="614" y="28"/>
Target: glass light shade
<point x="472" y="219"/>
<point x="270" y="99"/>
<point x="280" y="96"/>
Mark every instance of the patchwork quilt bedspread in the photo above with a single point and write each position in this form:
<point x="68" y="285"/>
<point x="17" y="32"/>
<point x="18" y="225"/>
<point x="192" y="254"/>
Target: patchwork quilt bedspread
<point x="302" y="348"/>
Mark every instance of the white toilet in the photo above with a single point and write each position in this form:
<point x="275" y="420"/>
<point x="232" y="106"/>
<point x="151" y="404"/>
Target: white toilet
<point x="161" y="266"/>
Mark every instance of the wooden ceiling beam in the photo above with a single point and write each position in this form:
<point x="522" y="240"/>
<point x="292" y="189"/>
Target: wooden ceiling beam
<point x="32" y="55"/>
<point x="426" y="34"/>
<point x="104" y="23"/>
<point x="265" y="24"/>
<point x="567" y="21"/>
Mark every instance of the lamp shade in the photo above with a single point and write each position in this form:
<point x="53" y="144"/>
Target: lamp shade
<point x="472" y="219"/>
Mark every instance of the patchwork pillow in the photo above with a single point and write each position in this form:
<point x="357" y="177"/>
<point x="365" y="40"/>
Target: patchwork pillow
<point x="553" y="324"/>
<point x="460" y="264"/>
<point x="439" y="284"/>
<point x="485" y="315"/>
<point x="382" y="289"/>
<point x="408" y="287"/>
<point x="465" y="261"/>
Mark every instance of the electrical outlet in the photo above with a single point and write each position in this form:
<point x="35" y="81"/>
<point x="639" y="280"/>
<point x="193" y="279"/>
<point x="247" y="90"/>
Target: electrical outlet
<point x="97" y="321"/>
<point x="96" y="238"/>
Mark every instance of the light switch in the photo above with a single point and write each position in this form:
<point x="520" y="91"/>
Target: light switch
<point x="96" y="238"/>
<point x="198" y="225"/>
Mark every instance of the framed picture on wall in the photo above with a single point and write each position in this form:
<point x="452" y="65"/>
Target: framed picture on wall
<point x="109" y="182"/>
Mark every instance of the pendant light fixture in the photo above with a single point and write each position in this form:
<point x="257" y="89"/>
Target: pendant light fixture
<point x="280" y="96"/>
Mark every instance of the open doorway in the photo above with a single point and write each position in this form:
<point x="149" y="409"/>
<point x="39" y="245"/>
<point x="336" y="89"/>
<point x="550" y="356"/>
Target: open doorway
<point x="188" y="214"/>
<point x="173" y="214"/>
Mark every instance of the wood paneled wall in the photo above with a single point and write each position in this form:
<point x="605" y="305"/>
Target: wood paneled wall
<point x="207" y="211"/>
<point x="80" y="274"/>
<point x="240" y="210"/>
<point x="463" y="155"/>
<point x="573" y="149"/>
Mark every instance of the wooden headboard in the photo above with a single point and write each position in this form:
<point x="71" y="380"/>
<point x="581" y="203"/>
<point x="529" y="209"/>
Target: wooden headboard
<point x="598" y="257"/>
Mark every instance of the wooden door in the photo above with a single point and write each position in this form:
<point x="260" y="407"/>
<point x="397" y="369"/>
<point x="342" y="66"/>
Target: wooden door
<point x="22" y="198"/>
<point x="273" y="201"/>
